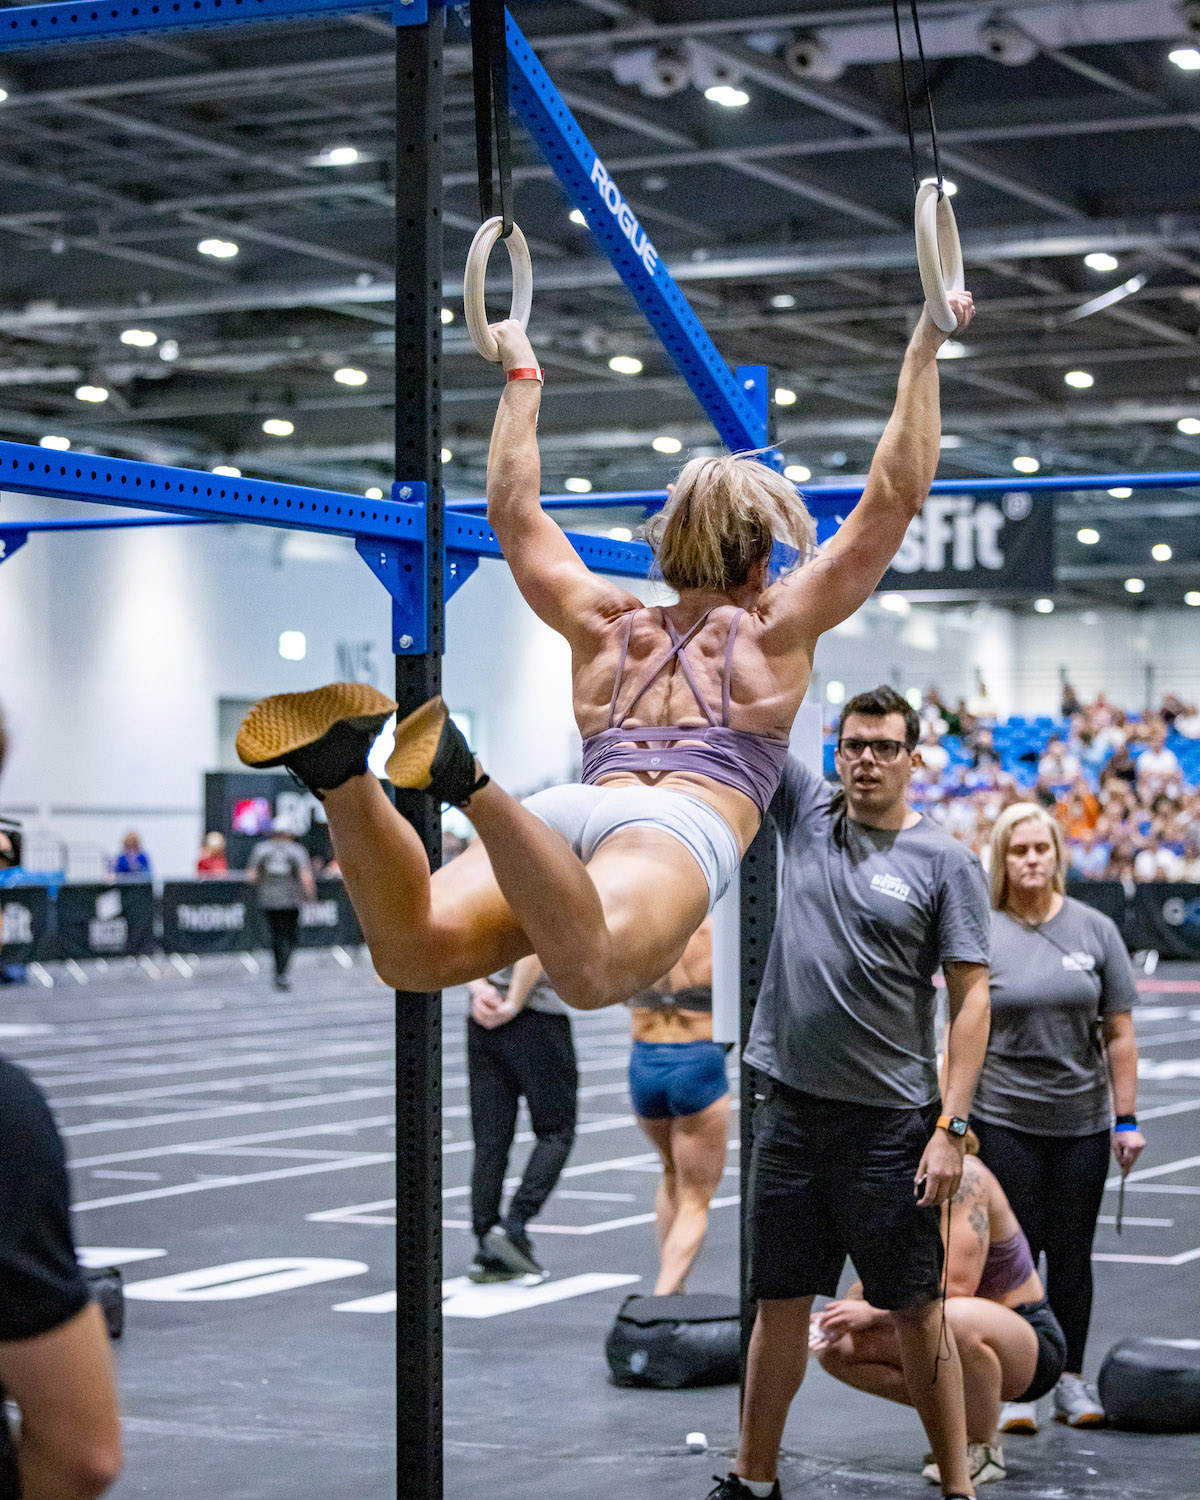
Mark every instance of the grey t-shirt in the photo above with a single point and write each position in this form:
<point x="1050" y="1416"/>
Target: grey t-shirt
<point x="1044" y="1072"/>
<point x="541" y="996"/>
<point x="279" y="863"/>
<point x="847" y="1004"/>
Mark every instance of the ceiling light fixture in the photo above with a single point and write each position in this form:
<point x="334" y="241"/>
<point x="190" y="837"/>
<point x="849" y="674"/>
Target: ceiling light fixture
<point x="50" y="441"/>
<point x="227" y="471"/>
<point x="1123" y="492"/>
<point x="1135" y="586"/>
<point x="784" y="397"/>
<point x="1044" y="606"/>
<point x="168" y="350"/>
<point x="620" y="534"/>
<point x="292" y="645"/>
<point x="447" y="316"/>
<point x="576" y="216"/>
<point x="895" y="604"/>
<point x="725" y="94"/>
<point x="374" y="493"/>
<point x="446" y="455"/>
<point x="625" y="364"/>
<point x="1192" y="597"/>
<point x="3" y="95"/>
<point x="1101" y="260"/>
<point x="666" y="445"/>
<point x="1161" y="552"/>
<point x="579" y="486"/>
<point x="1024" y="464"/>
<point x="1190" y="426"/>
<point x="349" y="376"/>
<point x="951" y="349"/>
<point x="337" y="156"/>
<point x="950" y="440"/>
<point x="222" y="249"/>
<point x="797" y="473"/>
<point x="140" y="338"/>
<point x="1088" y="535"/>
<point x="783" y="299"/>
<point x="1080" y="379"/>
<point x="278" y="427"/>
<point x="1105" y="299"/>
<point x="90" y="393"/>
<point x="1186" y="58"/>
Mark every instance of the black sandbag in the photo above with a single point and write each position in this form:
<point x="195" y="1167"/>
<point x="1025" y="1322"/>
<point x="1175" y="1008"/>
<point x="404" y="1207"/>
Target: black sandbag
<point x="108" y="1289"/>
<point x="672" y="1342"/>
<point x="1152" y="1385"/>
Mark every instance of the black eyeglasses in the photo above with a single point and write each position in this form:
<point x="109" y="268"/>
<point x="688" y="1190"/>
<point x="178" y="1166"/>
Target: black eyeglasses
<point x="883" y="752"/>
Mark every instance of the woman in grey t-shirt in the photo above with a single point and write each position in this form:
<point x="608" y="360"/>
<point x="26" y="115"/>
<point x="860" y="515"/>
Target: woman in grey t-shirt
<point x="1062" y="992"/>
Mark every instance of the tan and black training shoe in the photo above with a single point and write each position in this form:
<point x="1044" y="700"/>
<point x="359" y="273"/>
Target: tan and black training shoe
<point x="321" y="737"/>
<point x="432" y="756"/>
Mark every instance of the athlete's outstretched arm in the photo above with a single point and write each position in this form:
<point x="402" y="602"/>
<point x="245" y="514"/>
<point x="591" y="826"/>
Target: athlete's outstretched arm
<point x="556" y="583"/>
<point x="831" y="587"/>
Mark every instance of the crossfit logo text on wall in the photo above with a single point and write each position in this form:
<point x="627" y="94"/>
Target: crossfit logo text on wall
<point x="624" y="216"/>
<point x="953" y="532"/>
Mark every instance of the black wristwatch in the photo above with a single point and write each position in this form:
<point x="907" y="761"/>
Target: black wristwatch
<point x="954" y="1124"/>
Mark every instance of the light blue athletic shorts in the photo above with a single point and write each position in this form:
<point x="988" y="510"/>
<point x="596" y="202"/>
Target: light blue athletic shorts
<point x="587" y="815"/>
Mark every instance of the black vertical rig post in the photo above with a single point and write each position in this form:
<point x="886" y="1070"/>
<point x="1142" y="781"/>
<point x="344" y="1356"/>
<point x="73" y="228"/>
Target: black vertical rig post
<point x="418" y="678"/>
<point x="758" y="882"/>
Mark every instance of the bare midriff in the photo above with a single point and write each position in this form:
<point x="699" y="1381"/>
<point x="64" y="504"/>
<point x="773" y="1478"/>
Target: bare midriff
<point x="1030" y="1290"/>
<point x="669" y="1024"/>
<point x="735" y="807"/>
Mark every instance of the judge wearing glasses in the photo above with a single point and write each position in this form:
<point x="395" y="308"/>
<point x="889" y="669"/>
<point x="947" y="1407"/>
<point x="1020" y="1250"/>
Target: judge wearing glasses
<point x="855" y="1149"/>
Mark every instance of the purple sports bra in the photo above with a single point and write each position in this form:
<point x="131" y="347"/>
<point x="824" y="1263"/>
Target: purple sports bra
<point x="1009" y="1264"/>
<point x="748" y="762"/>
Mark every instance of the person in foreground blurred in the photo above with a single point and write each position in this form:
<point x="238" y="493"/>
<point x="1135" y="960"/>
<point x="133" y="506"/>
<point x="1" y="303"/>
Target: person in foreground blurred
<point x="55" y="1362"/>
<point x="681" y="1099"/>
<point x="1058" y="1090"/>
<point x="1008" y="1339"/>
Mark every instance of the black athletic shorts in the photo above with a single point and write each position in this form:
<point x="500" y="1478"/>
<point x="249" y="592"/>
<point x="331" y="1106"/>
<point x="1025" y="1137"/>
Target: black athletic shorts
<point x="1052" y="1348"/>
<point x="830" y="1179"/>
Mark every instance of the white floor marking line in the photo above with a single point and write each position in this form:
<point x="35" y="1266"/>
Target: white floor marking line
<point x="295" y="1152"/>
<point x="1150" y="1260"/>
<point x="583" y="1196"/>
<point x="206" y="1061"/>
<point x="243" y="1278"/>
<point x="91" y="1256"/>
<point x="1160" y="1111"/>
<point x="116" y="1175"/>
<point x="185" y="1148"/>
<point x="183" y="1189"/>
<point x="461" y="1298"/>
<point x="1168" y="1068"/>
<point x="229" y="1111"/>
<point x="1183" y="1188"/>
<point x="1145" y="1223"/>
<point x="1141" y="1174"/>
<point x="602" y="1228"/>
<point x="19" y="1028"/>
<point x="1166" y="1038"/>
<point x="220" y="1085"/>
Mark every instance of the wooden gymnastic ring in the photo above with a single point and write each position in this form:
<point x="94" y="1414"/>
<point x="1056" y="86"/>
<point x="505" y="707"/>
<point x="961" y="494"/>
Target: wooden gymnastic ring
<point x="522" y="284"/>
<point x="939" y="254"/>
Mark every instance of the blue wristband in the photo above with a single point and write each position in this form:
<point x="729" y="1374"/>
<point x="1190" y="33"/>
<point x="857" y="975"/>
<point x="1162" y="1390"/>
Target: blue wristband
<point x="1118" y="1128"/>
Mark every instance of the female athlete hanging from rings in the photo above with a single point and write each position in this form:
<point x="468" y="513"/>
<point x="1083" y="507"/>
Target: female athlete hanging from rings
<point x="684" y="710"/>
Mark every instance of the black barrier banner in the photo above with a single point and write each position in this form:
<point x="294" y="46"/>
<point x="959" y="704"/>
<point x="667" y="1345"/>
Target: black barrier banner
<point x="977" y="544"/>
<point x="209" y="916"/>
<point x="104" y="921"/>
<point x="1107" y="896"/>
<point x="24" y="917"/>
<point x="1167" y="917"/>
<point x="329" y="921"/>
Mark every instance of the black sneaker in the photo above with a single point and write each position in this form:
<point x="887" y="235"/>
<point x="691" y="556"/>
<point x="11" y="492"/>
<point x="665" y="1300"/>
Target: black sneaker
<point x="514" y="1249"/>
<point x="432" y="756"/>
<point x="732" y="1488"/>
<point x="321" y="737"/>
<point x="487" y="1268"/>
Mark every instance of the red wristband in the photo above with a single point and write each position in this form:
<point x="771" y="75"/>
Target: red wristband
<point x="527" y="373"/>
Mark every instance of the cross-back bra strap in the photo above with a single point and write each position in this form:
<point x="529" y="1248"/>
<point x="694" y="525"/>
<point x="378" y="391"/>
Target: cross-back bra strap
<point x="727" y="674"/>
<point x="678" y="642"/>
<point x="612" y="707"/>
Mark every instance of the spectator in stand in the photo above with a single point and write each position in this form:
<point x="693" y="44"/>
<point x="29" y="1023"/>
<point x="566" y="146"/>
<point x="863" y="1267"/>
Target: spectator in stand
<point x="981" y="704"/>
<point x="132" y="859"/>
<point x="281" y="872"/>
<point x="1090" y="854"/>
<point x="1078" y="810"/>
<point x="1121" y="764"/>
<point x="934" y="755"/>
<point x="1070" y="701"/>
<point x="55" y="1363"/>
<point x="1188" y="723"/>
<point x="983" y="749"/>
<point x="1058" y="768"/>
<point x="933" y="713"/>
<point x="1157" y="766"/>
<point x="1170" y="709"/>
<point x="211" y="860"/>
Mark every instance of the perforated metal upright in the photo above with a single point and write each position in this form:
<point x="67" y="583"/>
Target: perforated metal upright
<point x="418" y="678"/>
